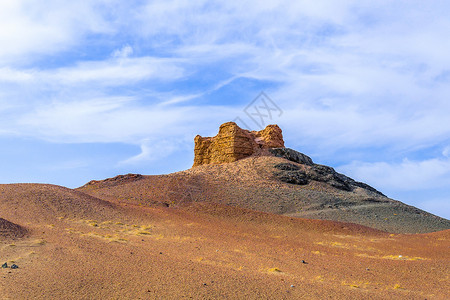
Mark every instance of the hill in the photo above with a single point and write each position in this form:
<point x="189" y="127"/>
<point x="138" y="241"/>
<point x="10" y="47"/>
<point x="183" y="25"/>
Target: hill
<point x="204" y="250"/>
<point x="272" y="184"/>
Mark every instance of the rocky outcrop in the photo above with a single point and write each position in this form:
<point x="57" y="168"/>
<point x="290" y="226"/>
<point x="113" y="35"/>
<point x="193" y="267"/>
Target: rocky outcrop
<point x="292" y="155"/>
<point x="233" y="143"/>
<point x="119" y="179"/>
<point x="308" y="170"/>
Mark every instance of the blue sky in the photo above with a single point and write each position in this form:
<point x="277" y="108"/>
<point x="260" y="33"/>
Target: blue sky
<point x="92" y="89"/>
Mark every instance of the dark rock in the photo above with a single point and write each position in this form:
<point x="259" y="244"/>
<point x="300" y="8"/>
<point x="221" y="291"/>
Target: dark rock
<point x="292" y="155"/>
<point x="343" y="178"/>
<point x="292" y="174"/>
<point x="14" y="266"/>
<point x="323" y="170"/>
<point x="367" y="187"/>
<point x="119" y="179"/>
<point x="373" y="200"/>
<point x="341" y="185"/>
<point x="287" y="167"/>
<point x="321" y="173"/>
<point x="294" y="177"/>
<point x="5" y="265"/>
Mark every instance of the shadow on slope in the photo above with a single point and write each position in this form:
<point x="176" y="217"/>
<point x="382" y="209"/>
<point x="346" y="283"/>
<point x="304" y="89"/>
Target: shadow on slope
<point x="9" y="230"/>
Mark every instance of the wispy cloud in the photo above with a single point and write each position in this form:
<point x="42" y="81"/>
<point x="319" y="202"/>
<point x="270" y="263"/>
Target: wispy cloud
<point x="407" y="175"/>
<point x="362" y="69"/>
<point x="117" y="71"/>
<point x="30" y="28"/>
<point x="152" y="150"/>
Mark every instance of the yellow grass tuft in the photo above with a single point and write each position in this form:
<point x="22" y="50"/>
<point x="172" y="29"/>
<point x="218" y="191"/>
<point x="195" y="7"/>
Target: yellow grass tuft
<point x="402" y="257"/>
<point x="41" y="242"/>
<point x="319" y="278"/>
<point x="274" y="270"/>
<point x="144" y="232"/>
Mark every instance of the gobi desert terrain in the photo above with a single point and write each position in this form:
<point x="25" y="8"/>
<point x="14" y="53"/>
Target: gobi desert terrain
<point x="250" y="220"/>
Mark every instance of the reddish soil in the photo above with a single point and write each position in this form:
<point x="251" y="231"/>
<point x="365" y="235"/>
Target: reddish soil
<point x="81" y="247"/>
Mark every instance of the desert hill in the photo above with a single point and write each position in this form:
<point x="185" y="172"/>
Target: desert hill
<point x="231" y="229"/>
<point x="206" y="250"/>
<point x="43" y="203"/>
<point x="249" y="170"/>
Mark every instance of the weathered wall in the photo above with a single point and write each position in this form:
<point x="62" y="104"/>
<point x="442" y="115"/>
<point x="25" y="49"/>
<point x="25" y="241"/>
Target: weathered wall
<point x="233" y="143"/>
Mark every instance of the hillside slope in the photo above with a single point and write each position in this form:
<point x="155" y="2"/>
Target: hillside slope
<point x="80" y="247"/>
<point x="288" y="185"/>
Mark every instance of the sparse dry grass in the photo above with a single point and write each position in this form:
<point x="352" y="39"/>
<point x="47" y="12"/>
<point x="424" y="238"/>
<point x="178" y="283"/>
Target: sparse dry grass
<point x="274" y="270"/>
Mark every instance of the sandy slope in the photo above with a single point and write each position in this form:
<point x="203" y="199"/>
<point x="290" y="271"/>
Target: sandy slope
<point x="80" y="247"/>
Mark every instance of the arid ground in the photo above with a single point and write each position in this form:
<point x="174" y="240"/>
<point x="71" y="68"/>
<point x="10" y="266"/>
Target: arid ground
<point x="129" y="238"/>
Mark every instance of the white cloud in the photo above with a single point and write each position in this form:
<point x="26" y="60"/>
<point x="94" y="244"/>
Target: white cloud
<point x="124" y="52"/>
<point x="30" y="27"/>
<point x="152" y="150"/>
<point x="111" y="72"/>
<point x="406" y="175"/>
<point x="109" y="119"/>
<point x="118" y="71"/>
<point x="15" y="76"/>
<point x="116" y="119"/>
<point x="363" y="69"/>
<point x="446" y="152"/>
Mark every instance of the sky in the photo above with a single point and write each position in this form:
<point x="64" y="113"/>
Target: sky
<point x="92" y="89"/>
